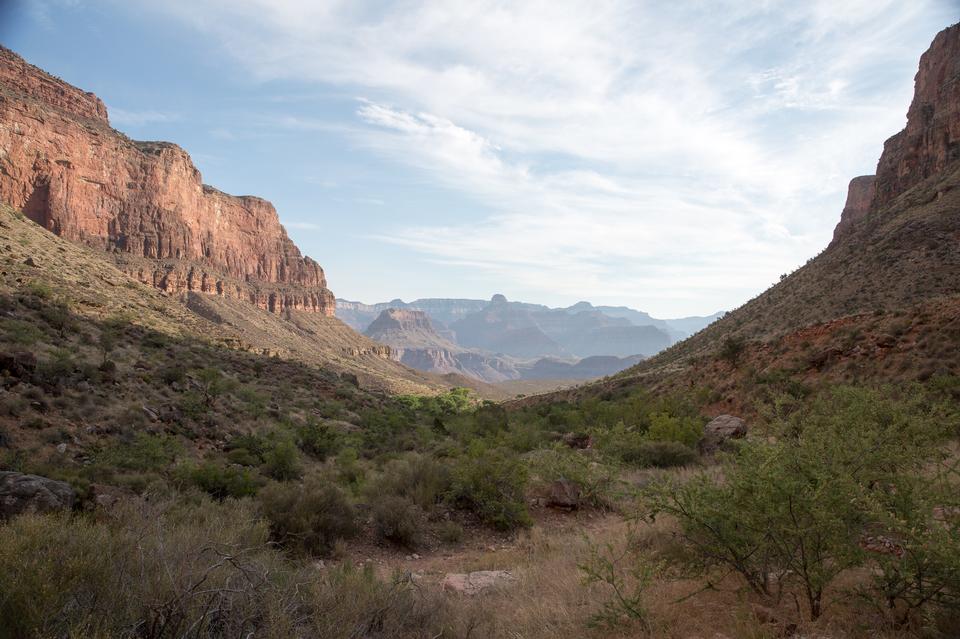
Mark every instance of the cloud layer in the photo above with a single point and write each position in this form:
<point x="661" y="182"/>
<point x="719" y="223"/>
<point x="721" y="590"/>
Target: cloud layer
<point x="680" y="157"/>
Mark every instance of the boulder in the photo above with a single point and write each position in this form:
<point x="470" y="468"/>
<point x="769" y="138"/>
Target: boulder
<point x="564" y="493"/>
<point x="720" y="430"/>
<point x="474" y="583"/>
<point x="20" y="493"/>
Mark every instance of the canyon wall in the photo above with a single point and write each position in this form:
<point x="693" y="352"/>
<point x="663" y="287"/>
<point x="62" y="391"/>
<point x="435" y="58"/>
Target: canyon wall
<point x="931" y="139"/>
<point x="69" y="171"/>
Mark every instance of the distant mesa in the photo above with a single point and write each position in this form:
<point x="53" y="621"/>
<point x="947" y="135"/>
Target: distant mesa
<point x="496" y="340"/>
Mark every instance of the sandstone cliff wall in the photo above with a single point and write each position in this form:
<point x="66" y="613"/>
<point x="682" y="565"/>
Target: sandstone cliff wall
<point x="62" y="164"/>
<point x="931" y="139"/>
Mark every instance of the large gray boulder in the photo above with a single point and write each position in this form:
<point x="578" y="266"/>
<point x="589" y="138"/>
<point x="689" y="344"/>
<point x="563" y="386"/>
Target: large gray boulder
<point x="720" y="430"/>
<point x="20" y="493"/>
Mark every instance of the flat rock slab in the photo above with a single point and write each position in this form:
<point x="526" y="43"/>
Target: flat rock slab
<point x="474" y="583"/>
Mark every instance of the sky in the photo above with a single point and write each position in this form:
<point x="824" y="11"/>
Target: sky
<point x="676" y="157"/>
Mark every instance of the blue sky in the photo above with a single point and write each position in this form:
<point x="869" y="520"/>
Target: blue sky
<point x="674" y="157"/>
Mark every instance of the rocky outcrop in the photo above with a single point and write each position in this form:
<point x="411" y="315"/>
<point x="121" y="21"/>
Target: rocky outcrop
<point x="720" y="430"/>
<point x="62" y="164"/>
<point x="20" y="493"/>
<point x="860" y="195"/>
<point x="931" y="139"/>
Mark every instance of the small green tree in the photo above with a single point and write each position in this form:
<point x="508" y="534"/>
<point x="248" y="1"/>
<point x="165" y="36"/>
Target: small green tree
<point x="798" y="507"/>
<point x="212" y="384"/>
<point x="282" y="462"/>
<point x="731" y="349"/>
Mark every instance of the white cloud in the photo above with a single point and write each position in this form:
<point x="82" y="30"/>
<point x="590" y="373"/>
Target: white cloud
<point x="660" y="151"/>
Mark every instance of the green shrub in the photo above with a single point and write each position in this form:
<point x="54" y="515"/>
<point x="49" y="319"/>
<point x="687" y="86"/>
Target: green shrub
<point x="597" y="482"/>
<point x="143" y="452"/>
<point x="282" y="462"/>
<point x="218" y="480"/>
<point x="492" y="484"/>
<point x="662" y="455"/>
<point x="318" y="439"/>
<point x="731" y="349"/>
<point x="310" y="517"/>
<point x="682" y="430"/>
<point x="636" y="449"/>
<point x="800" y="505"/>
<point x="419" y="478"/>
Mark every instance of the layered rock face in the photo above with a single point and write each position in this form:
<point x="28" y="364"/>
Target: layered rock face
<point x="62" y="164"/>
<point x="860" y="196"/>
<point x="929" y="142"/>
<point x="931" y="139"/>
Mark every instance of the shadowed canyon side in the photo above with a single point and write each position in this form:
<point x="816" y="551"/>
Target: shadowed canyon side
<point x="69" y="171"/>
<point x="880" y="303"/>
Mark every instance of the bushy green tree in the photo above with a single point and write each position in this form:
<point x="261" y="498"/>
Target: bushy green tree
<point x="798" y="507"/>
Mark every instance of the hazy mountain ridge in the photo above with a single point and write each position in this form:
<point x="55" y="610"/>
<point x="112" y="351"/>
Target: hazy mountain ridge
<point x="414" y="342"/>
<point x="523" y="329"/>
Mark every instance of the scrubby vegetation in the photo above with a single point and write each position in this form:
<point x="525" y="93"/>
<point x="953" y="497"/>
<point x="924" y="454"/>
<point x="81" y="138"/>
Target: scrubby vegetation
<point x="241" y="471"/>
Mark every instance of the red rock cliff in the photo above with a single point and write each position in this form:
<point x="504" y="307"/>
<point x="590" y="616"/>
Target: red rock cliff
<point x="860" y="196"/>
<point x="62" y="164"/>
<point x="931" y="139"/>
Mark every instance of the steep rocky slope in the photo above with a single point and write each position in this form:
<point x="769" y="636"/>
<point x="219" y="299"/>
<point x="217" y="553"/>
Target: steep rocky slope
<point x="144" y="211"/>
<point x="881" y="303"/>
<point x="87" y="282"/>
<point x="70" y="172"/>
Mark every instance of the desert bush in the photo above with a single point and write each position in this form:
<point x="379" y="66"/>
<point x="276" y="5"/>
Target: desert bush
<point x="597" y="482"/>
<point x="655" y="454"/>
<point x="492" y="483"/>
<point x="349" y="602"/>
<point x="142" y="452"/>
<point x="218" y="480"/>
<point x="450" y="531"/>
<point x="634" y="448"/>
<point x="419" y="478"/>
<point x="731" y="349"/>
<point x="282" y="461"/>
<point x="684" y="430"/>
<point x="800" y="505"/>
<point x="398" y="520"/>
<point x="172" y="374"/>
<point x="160" y="571"/>
<point x="310" y="517"/>
<point x="627" y="573"/>
<point x="318" y="439"/>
